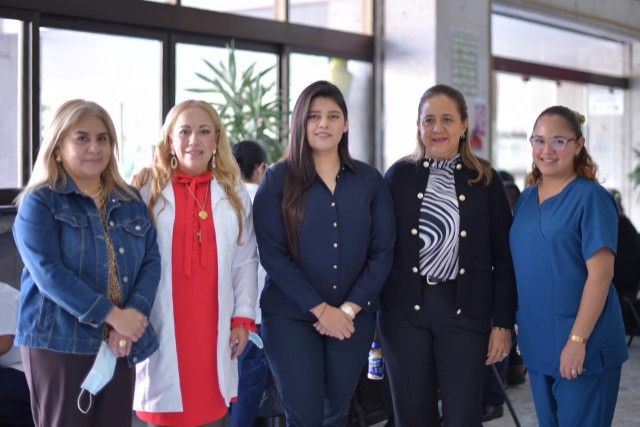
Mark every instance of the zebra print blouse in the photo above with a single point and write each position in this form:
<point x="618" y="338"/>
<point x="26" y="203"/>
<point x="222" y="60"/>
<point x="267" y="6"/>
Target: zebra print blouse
<point x="439" y="222"/>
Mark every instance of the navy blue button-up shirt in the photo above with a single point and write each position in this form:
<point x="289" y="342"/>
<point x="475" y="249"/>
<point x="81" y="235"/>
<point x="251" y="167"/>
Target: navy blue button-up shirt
<point x="346" y="242"/>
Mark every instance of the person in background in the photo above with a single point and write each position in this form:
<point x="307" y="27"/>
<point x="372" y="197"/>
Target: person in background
<point x="448" y="305"/>
<point x="91" y="273"/>
<point x="253" y="368"/>
<point x="563" y="242"/>
<point x="205" y="305"/>
<point x="15" y="406"/>
<point x="626" y="268"/>
<point x="325" y="231"/>
<point x="492" y="394"/>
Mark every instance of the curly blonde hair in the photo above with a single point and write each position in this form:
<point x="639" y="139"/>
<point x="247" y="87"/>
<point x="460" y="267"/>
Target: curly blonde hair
<point x="226" y="171"/>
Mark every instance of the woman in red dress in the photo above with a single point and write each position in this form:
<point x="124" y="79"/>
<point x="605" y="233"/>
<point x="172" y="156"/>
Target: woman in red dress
<point x="204" y="308"/>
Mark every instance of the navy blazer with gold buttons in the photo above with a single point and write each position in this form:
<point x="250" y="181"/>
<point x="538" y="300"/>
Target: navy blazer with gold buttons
<point x="486" y="281"/>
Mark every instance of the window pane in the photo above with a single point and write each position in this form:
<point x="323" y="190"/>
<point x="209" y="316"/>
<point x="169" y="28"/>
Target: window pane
<point x="354" y="78"/>
<point x="355" y="16"/>
<point x="10" y="105"/>
<point x="529" y="41"/>
<point x="518" y="103"/>
<point x="246" y="114"/>
<point x="256" y="8"/>
<point x="122" y="74"/>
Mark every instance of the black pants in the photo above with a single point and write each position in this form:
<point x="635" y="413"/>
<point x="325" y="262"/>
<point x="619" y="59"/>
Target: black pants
<point x="438" y="352"/>
<point x="54" y="382"/>
<point x="15" y="409"/>
<point x="316" y="375"/>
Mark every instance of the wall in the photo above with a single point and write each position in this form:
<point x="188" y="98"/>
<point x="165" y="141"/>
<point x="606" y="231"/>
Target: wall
<point x="418" y="54"/>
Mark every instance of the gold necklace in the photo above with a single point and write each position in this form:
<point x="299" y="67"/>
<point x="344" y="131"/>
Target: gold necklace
<point x="97" y="194"/>
<point x="202" y="213"/>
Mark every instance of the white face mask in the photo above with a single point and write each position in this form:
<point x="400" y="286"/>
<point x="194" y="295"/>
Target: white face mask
<point x="100" y="374"/>
<point x="255" y="338"/>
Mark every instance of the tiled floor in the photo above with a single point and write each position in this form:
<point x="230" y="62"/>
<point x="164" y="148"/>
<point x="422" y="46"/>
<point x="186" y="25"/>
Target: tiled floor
<point x="627" y="411"/>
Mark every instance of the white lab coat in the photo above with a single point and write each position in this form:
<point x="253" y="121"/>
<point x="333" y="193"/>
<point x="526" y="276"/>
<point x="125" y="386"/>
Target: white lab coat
<point x="157" y="379"/>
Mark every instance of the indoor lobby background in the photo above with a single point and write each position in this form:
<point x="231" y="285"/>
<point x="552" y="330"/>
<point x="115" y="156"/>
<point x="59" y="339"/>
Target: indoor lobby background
<point x="511" y="58"/>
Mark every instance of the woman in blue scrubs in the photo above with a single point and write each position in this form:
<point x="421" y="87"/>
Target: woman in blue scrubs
<point x="563" y="243"/>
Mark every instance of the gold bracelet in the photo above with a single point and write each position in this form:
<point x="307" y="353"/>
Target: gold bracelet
<point x="578" y="338"/>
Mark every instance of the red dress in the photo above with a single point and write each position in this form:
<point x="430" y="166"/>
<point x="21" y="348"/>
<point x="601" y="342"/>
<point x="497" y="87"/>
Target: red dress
<point x="195" y="306"/>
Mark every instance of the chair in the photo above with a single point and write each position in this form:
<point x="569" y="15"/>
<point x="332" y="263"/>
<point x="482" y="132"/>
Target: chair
<point x="630" y="306"/>
<point x="626" y="277"/>
<point x="10" y="261"/>
<point x="505" y="395"/>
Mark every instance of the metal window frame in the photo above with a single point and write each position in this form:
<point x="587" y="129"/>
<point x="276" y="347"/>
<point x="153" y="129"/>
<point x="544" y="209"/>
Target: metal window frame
<point x="557" y="73"/>
<point x="170" y="24"/>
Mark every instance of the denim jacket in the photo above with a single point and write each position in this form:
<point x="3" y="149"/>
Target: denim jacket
<point x="64" y="303"/>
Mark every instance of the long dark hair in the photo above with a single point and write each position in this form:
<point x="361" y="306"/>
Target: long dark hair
<point x="583" y="164"/>
<point x="472" y="161"/>
<point x="301" y="170"/>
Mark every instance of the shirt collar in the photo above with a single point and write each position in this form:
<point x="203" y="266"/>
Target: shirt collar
<point x="448" y="164"/>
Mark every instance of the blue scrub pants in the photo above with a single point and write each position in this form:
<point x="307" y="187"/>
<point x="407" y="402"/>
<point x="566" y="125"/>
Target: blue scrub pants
<point x="315" y="374"/>
<point x="588" y="401"/>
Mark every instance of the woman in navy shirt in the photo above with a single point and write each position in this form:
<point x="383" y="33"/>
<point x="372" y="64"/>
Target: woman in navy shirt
<point x="563" y="241"/>
<point x="325" y="229"/>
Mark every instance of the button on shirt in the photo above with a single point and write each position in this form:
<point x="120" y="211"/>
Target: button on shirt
<point x="346" y="242"/>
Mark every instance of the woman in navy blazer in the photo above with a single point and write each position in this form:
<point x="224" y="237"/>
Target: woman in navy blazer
<point x="449" y="301"/>
<point x="325" y="230"/>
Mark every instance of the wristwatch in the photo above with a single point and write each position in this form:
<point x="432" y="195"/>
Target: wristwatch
<point x="348" y="310"/>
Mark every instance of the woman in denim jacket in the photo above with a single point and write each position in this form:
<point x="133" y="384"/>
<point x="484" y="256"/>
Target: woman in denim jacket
<point x="91" y="272"/>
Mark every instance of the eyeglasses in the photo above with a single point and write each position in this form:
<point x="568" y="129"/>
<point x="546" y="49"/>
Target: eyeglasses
<point x="556" y="144"/>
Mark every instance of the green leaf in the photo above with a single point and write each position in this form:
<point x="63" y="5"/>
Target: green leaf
<point x="247" y="100"/>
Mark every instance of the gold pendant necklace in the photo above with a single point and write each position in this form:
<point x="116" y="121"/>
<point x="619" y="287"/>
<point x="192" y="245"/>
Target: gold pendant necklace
<point x="202" y="213"/>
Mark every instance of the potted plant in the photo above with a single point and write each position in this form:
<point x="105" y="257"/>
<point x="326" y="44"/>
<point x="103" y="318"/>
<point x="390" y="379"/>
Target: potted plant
<point x="247" y="106"/>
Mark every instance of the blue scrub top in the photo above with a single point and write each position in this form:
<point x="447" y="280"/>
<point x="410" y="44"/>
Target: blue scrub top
<point x="550" y="245"/>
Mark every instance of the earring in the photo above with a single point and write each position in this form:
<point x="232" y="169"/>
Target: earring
<point x="213" y="159"/>
<point x="174" y="161"/>
<point x="58" y="158"/>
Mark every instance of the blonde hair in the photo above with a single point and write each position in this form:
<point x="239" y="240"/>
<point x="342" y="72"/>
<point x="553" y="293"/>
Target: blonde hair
<point x="226" y="171"/>
<point x="48" y="172"/>
<point x="481" y="166"/>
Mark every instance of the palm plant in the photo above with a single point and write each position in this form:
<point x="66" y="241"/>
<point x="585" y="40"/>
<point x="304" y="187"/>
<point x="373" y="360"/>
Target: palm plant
<point x="246" y="103"/>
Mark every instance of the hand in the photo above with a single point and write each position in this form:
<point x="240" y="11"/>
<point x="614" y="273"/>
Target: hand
<point x="141" y="178"/>
<point x="572" y="360"/>
<point x="335" y="323"/>
<point x="114" y="344"/>
<point x="499" y="345"/>
<point x="238" y="341"/>
<point x="128" y="322"/>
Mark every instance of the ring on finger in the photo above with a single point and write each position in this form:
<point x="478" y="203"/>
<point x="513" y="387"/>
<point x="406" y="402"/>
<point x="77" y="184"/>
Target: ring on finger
<point x="574" y="372"/>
